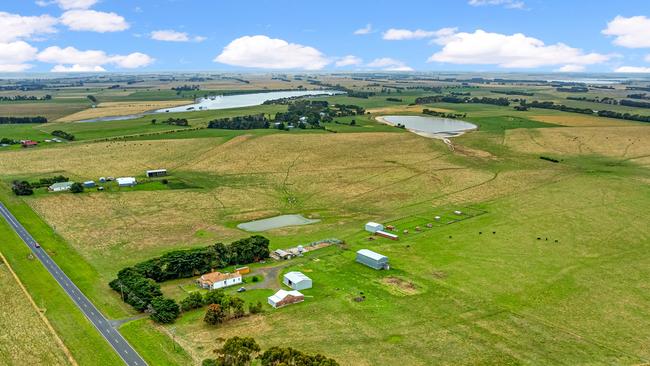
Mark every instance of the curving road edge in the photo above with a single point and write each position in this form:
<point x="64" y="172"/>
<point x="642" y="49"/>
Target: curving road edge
<point x="114" y="338"/>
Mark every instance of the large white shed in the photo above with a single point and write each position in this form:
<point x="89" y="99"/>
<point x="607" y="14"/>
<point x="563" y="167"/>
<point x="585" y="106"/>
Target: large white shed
<point x="373" y="227"/>
<point x="297" y="280"/>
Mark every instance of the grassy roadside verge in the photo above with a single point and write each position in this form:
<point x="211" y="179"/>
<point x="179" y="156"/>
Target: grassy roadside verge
<point x="79" y="271"/>
<point x="78" y="334"/>
<point x="153" y="345"/>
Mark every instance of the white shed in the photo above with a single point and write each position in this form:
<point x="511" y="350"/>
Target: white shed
<point x="126" y="181"/>
<point x="373" y="227"/>
<point x="297" y="281"/>
<point x="283" y="298"/>
<point x="60" y="187"/>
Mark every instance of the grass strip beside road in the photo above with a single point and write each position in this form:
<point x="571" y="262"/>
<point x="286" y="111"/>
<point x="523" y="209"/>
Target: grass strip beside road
<point x="75" y="330"/>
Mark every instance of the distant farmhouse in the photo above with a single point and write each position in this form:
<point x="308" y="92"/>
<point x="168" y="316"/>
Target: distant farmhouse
<point x="284" y="298"/>
<point x="372" y="259"/>
<point x="297" y="281"/>
<point x="28" y="143"/>
<point x="60" y="187"/>
<point x="217" y="280"/>
<point x="156" y="173"/>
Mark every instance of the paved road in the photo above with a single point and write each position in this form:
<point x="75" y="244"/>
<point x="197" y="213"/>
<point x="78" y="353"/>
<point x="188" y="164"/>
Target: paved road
<point x="119" y="344"/>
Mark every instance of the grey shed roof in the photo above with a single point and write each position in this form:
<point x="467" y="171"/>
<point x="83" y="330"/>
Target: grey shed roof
<point x="372" y="255"/>
<point x="61" y="185"/>
<point x="296" y="277"/>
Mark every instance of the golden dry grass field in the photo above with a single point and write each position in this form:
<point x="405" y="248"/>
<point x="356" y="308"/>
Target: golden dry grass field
<point x="109" y="109"/>
<point x="25" y="339"/>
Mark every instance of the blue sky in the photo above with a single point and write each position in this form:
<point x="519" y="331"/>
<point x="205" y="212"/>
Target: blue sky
<point x="464" y="35"/>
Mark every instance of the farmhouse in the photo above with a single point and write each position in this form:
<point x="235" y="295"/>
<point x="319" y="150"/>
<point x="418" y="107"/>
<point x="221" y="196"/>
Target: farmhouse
<point x="284" y="298"/>
<point x="126" y="182"/>
<point x="60" y="187"/>
<point x="216" y="280"/>
<point x="156" y="173"/>
<point x="28" y="143"/>
<point x="89" y="184"/>
<point x="373" y="227"/>
<point x="372" y="259"/>
<point x="297" y="281"/>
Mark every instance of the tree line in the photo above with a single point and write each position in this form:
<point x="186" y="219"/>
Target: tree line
<point x="635" y="103"/>
<point x="63" y="135"/>
<point x="456" y="99"/>
<point x="24" y="97"/>
<point x="603" y="113"/>
<point x="512" y="92"/>
<point x="138" y="285"/>
<point x="443" y="114"/>
<point x="241" y="351"/>
<point x="249" y="122"/>
<point x="19" y="120"/>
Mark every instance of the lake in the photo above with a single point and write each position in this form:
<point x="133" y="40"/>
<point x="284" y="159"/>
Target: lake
<point x="224" y="102"/>
<point x="430" y="125"/>
<point x="275" y="223"/>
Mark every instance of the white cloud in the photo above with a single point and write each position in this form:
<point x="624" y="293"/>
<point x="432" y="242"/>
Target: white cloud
<point x="170" y="36"/>
<point x="509" y="51"/>
<point x="365" y="30"/>
<point x="389" y="64"/>
<point x="95" y="21"/>
<point x="90" y="60"/>
<point x="633" y="69"/>
<point x="571" y="68"/>
<point x="77" y="68"/>
<point x="510" y="4"/>
<point x="403" y="34"/>
<point x="174" y="36"/>
<point x="394" y="34"/>
<point x="14" y="55"/>
<point x="647" y="58"/>
<point x="75" y="4"/>
<point x="349" y="60"/>
<point x="14" y="26"/>
<point x="633" y="32"/>
<point x="271" y="53"/>
<point x="132" y="61"/>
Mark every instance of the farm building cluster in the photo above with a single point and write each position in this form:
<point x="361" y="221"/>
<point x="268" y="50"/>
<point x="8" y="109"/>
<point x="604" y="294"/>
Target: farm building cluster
<point x="120" y="181"/>
<point x="296" y="281"/>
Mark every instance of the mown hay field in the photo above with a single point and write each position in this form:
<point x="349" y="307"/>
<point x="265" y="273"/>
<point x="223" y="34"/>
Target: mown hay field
<point x="26" y="338"/>
<point x="108" y="109"/>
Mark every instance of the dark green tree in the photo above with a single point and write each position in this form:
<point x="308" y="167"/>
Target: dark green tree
<point x="22" y="188"/>
<point x="214" y="297"/>
<point x="237" y="351"/>
<point x="164" y="310"/>
<point x="77" y="188"/>
<point x="192" y="301"/>
<point x="214" y="314"/>
<point x="237" y="307"/>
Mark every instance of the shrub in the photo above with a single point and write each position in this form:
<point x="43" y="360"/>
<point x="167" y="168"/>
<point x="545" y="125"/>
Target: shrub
<point x="164" y="310"/>
<point x="192" y="301"/>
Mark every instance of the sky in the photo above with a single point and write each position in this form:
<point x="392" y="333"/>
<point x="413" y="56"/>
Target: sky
<point x="324" y="36"/>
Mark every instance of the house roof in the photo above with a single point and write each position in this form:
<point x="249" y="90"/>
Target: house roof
<point x="29" y="142"/>
<point x="61" y="185"/>
<point x="370" y="254"/>
<point x="296" y="277"/>
<point x="156" y="171"/>
<point x="212" y="277"/>
<point x="282" y="294"/>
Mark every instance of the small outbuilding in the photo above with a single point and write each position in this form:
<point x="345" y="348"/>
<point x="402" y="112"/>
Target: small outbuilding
<point x="156" y="173"/>
<point x="126" y="182"/>
<point x="89" y="184"/>
<point x="386" y="234"/>
<point x="373" y="227"/>
<point x="217" y="280"/>
<point x="60" y="187"/>
<point x="372" y="259"/>
<point x="297" y="280"/>
<point x="284" y="298"/>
